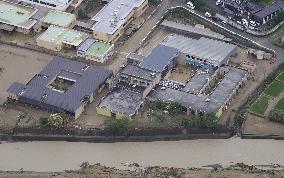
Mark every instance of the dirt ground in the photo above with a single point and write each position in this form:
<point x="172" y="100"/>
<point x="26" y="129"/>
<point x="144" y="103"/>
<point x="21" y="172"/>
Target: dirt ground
<point x="100" y="171"/>
<point x="19" y="65"/>
<point x="181" y="73"/>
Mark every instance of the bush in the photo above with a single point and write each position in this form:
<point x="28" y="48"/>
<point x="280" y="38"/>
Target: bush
<point x="82" y="14"/>
<point x="84" y="165"/>
<point x="43" y="121"/>
<point x="56" y="121"/>
<point x="171" y="107"/>
<point x="200" y="5"/>
<point x="117" y="126"/>
<point x="277" y="116"/>
<point x="208" y="122"/>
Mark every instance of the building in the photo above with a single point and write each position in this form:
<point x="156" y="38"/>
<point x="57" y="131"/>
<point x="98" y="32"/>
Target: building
<point x="58" y="18"/>
<point x="268" y="12"/>
<point x="15" y="17"/>
<point x="136" y="80"/>
<point x="62" y="86"/>
<point x="55" y="38"/>
<point x="115" y="16"/>
<point x="203" y="52"/>
<point x="216" y="102"/>
<point x="60" y="5"/>
<point x="95" y="50"/>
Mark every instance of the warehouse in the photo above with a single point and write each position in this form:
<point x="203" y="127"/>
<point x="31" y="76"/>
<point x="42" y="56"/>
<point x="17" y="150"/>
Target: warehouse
<point x="14" y="17"/>
<point x="60" y="5"/>
<point x="202" y="52"/>
<point x="115" y="16"/>
<point x="62" y="86"/>
<point x="55" y="38"/>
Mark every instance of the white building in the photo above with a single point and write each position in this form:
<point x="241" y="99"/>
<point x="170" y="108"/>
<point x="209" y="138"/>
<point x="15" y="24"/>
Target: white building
<point x="60" y="5"/>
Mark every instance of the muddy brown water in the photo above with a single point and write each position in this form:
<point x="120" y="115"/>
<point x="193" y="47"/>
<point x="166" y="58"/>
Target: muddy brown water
<point x="60" y="156"/>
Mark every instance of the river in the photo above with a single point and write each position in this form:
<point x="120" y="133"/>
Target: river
<point x="59" y="156"/>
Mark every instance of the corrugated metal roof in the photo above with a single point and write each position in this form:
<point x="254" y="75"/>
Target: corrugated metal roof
<point x="159" y="58"/>
<point x="138" y="72"/>
<point x="215" y="52"/>
<point x="85" y="45"/>
<point x="88" y="82"/>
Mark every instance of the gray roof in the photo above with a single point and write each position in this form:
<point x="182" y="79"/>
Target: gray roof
<point x="216" y="52"/>
<point x="159" y="58"/>
<point x="122" y="101"/>
<point x="87" y="81"/>
<point x="196" y="83"/>
<point x="135" y="56"/>
<point x="190" y="29"/>
<point x="198" y="102"/>
<point x="269" y="9"/>
<point x="138" y="72"/>
<point x="85" y="45"/>
<point x="119" y="7"/>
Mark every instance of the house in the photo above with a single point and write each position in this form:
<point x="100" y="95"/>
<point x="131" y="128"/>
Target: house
<point x="110" y="22"/>
<point x="15" y="17"/>
<point x="58" y="18"/>
<point x="268" y="12"/>
<point x="62" y="86"/>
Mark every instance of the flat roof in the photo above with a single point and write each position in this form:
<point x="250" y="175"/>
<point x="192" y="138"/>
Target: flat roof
<point x="17" y="15"/>
<point x="88" y="79"/>
<point x="58" y="3"/>
<point x="200" y="102"/>
<point x="113" y="15"/>
<point x="121" y="100"/>
<point x="159" y="58"/>
<point x="212" y="50"/>
<point x="99" y="48"/>
<point x="59" y="18"/>
<point x="57" y="35"/>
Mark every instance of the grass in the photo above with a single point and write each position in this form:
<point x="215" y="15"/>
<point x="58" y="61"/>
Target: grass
<point x="280" y="77"/>
<point x="280" y="104"/>
<point x="265" y="2"/>
<point x="274" y="89"/>
<point x="260" y="106"/>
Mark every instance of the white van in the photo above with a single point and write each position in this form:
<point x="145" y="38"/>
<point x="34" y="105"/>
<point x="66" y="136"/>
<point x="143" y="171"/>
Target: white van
<point x="190" y="5"/>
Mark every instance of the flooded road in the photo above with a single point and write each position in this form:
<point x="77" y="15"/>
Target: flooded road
<point x="59" y="156"/>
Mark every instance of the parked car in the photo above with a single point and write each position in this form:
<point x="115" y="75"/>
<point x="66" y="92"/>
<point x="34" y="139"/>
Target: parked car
<point x="245" y="22"/>
<point x="224" y="23"/>
<point x="218" y="2"/>
<point x="207" y="14"/>
<point x="190" y="5"/>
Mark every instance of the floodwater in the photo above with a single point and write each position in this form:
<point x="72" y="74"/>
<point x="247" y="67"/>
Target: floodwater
<point x="60" y="156"/>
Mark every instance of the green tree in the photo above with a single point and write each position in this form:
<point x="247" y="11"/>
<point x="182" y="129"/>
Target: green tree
<point x="56" y="121"/>
<point x="82" y="14"/>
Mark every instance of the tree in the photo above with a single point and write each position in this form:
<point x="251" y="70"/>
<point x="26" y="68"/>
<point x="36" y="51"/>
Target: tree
<point x="82" y="14"/>
<point x="55" y="120"/>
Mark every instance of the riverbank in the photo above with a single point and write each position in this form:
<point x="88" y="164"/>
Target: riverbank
<point x="97" y="170"/>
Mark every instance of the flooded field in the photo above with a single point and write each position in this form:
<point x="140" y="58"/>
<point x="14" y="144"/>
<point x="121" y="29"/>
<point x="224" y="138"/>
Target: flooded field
<point x="59" y="156"/>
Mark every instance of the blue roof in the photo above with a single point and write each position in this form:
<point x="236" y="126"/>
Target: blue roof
<point x="159" y="58"/>
<point x="88" y="79"/>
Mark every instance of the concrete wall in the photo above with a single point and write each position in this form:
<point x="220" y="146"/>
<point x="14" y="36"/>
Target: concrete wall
<point x="103" y="111"/>
<point x="48" y="45"/>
